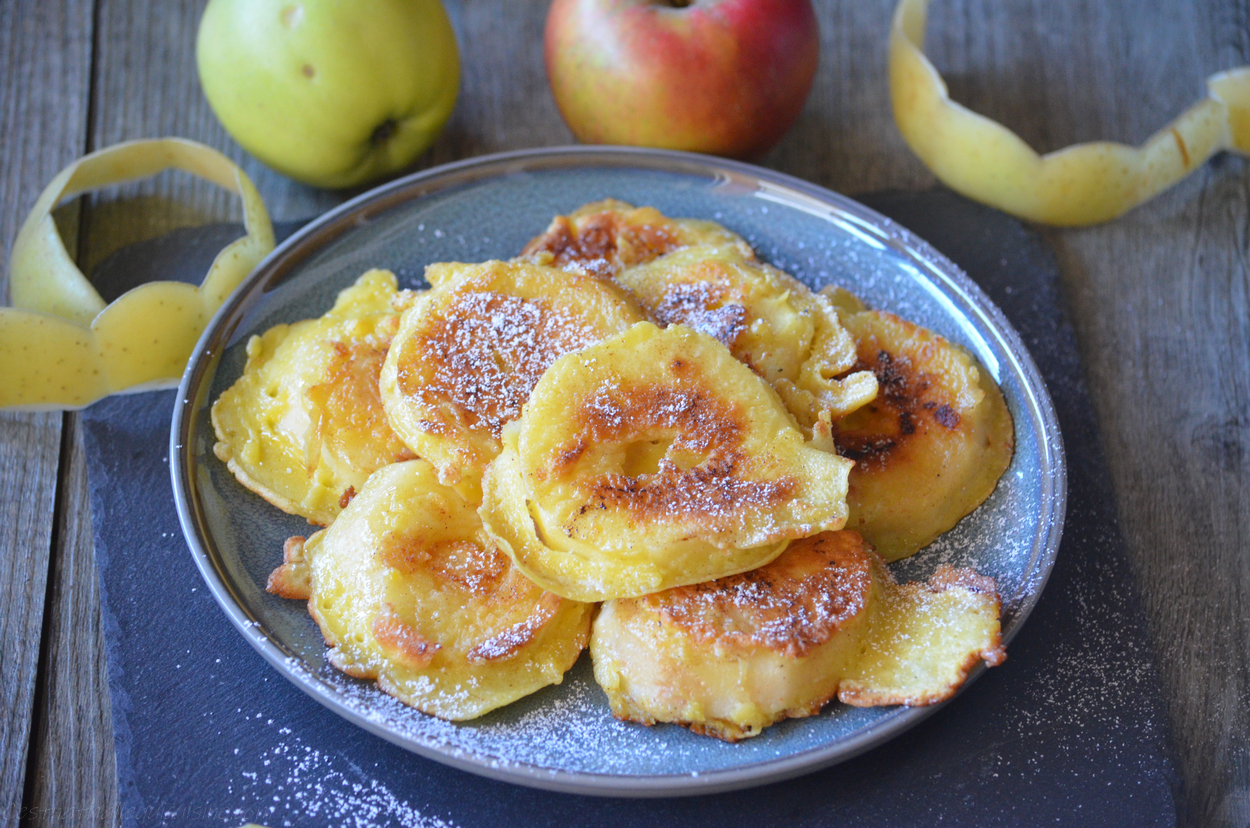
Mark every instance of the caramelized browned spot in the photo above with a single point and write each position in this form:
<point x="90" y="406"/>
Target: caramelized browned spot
<point x="350" y="418"/>
<point x="945" y="415"/>
<point x="348" y="494"/>
<point x="292" y="578"/>
<point x="947" y="576"/>
<point x="701" y="422"/>
<point x="510" y="641"/>
<point x="792" y="605"/>
<point x="908" y="401"/>
<point x="700" y="305"/>
<point x="709" y="490"/>
<point x="698" y="474"/>
<point x="601" y="244"/>
<point x="475" y="569"/>
<point x="398" y="637"/>
<point x="484" y="353"/>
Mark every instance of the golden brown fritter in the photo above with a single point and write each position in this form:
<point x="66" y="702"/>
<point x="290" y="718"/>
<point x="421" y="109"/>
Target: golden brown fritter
<point x="468" y="353"/>
<point x="823" y="620"/>
<point x="785" y="333"/>
<point x="697" y="273"/>
<point x="933" y="444"/>
<point x="655" y="459"/>
<point x="304" y="427"/>
<point x="408" y="589"/>
<point x="604" y="237"/>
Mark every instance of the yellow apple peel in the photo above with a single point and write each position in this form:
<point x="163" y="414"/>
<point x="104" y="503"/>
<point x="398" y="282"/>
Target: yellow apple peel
<point x="60" y="345"/>
<point x="1078" y="185"/>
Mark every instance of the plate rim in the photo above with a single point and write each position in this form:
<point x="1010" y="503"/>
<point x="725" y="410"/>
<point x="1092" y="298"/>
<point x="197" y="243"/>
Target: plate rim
<point x="820" y="201"/>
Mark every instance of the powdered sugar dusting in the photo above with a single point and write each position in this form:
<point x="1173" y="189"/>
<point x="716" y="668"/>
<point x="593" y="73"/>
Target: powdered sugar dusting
<point x="295" y="784"/>
<point x="703" y="474"/>
<point x="485" y="353"/>
<point x="695" y="305"/>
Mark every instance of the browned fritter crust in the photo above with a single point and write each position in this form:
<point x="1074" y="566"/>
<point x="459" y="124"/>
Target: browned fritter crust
<point x="790" y="606"/>
<point x="603" y="238"/>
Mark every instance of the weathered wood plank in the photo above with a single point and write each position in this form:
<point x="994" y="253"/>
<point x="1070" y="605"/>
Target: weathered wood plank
<point x="29" y="448"/>
<point x="1166" y="339"/>
<point x="74" y="772"/>
<point x="44" y="59"/>
<point x="145" y="85"/>
<point x="845" y="138"/>
<point x="504" y="101"/>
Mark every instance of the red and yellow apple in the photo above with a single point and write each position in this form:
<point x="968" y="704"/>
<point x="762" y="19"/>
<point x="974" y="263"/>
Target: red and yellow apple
<point x="727" y="77"/>
<point x="330" y="92"/>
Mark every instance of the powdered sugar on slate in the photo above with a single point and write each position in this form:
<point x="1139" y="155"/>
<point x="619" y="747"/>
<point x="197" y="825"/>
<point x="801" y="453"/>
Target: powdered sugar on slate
<point x="295" y="783"/>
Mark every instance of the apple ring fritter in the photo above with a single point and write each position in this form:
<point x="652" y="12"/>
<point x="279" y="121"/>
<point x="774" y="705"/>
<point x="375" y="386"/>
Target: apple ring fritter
<point x="469" y="351"/>
<point x="933" y="444"/>
<point x="304" y="427"/>
<point x="823" y="620"/>
<point x="408" y="589"/>
<point x="604" y="237"/>
<point x="769" y="320"/>
<point x="655" y="459"/>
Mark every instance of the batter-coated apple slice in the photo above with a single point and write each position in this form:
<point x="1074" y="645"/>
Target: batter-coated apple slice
<point x="825" y="620"/>
<point x="304" y="427"/>
<point x="655" y="459"/>
<point x="469" y="351"/>
<point x="408" y="589"/>
<point x="769" y="320"/>
<point x="933" y="444"/>
<point x="605" y="237"/>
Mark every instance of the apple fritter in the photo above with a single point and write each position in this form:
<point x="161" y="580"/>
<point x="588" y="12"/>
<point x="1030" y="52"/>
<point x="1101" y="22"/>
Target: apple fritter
<point x="655" y="459"/>
<point x="769" y="320"/>
<point x="824" y="620"/>
<point x="933" y="444"/>
<point x="469" y="351"/>
<point x="604" y="237"/>
<point x="408" y="589"/>
<point x="304" y="427"/>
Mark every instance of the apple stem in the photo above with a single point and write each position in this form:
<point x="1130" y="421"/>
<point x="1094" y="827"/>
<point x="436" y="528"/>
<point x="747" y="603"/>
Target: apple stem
<point x="383" y="133"/>
<point x="680" y="4"/>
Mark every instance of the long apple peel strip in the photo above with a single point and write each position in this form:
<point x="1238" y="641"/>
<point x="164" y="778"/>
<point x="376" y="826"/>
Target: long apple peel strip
<point x="1079" y="185"/>
<point x="60" y="345"/>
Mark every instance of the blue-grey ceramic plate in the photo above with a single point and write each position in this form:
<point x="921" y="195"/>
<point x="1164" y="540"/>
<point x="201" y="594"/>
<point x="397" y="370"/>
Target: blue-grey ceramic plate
<point x="564" y="737"/>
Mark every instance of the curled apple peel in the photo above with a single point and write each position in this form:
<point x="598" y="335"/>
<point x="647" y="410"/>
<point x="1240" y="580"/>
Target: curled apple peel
<point x="60" y="345"/>
<point x="1078" y="185"/>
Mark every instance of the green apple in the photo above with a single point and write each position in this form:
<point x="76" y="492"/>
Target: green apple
<point x="333" y="93"/>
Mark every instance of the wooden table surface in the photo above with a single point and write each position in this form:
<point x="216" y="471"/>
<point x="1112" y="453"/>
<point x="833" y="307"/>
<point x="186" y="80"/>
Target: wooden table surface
<point x="1158" y="298"/>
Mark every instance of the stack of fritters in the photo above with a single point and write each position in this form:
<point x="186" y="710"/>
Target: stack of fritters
<point x="635" y="411"/>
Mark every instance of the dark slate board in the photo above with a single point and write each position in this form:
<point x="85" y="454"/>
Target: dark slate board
<point x="1070" y="731"/>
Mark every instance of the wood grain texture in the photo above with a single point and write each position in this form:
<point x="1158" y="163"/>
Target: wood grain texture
<point x="29" y="449"/>
<point x="73" y="767"/>
<point x="1166" y="343"/>
<point x="44" y="59"/>
<point x="504" y="100"/>
<point x="845" y="137"/>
